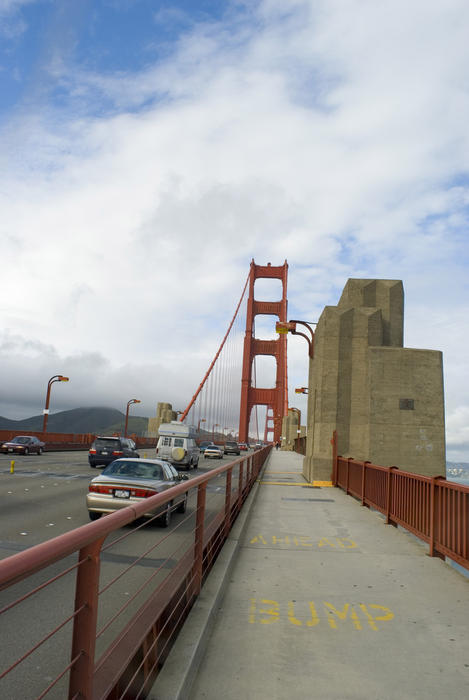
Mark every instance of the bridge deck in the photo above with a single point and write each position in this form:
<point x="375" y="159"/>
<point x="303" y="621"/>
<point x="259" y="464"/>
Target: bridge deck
<point x="322" y="600"/>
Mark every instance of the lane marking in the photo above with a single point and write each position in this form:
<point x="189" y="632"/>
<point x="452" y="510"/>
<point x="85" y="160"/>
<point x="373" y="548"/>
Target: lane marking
<point x="315" y="484"/>
<point x="269" y="472"/>
<point x="282" y="483"/>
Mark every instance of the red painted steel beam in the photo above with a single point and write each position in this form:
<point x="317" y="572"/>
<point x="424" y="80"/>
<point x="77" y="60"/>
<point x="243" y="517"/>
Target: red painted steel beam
<point x="276" y="399"/>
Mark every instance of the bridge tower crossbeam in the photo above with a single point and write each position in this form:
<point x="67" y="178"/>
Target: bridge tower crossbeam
<point x="276" y="400"/>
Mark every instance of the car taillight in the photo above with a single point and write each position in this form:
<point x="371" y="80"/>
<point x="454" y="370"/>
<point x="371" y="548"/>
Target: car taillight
<point x="118" y="453"/>
<point x="142" y="493"/>
<point x="92" y="452"/>
<point x="99" y="488"/>
<point x="135" y="493"/>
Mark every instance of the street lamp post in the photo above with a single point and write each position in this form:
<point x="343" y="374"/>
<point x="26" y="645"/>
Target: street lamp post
<point x="201" y="420"/>
<point x="127" y="413"/>
<point x="290" y="327"/>
<point x="215" y="425"/>
<point x="55" y="378"/>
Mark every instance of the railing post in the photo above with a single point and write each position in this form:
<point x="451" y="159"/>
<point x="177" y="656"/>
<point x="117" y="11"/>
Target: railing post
<point x="240" y="486"/>
<point x="334" y="458"/>
<point x="388" y="495"/>
<point x="434" y="502"/>
<point x="199" y="537"/>
<point x="229" y="474"/>
<point x="364" y="481"/>
<point x="348" y="472"/>
<point x="84" y="625"/>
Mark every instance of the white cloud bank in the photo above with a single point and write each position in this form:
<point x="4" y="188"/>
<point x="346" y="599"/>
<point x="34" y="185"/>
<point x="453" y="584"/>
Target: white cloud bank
<point x="331" y="134"/>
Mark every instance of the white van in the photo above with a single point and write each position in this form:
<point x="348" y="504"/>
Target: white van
<point x="177" y="445"/>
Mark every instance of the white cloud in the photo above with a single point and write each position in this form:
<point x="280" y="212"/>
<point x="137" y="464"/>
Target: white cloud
<point x="333" y="135"/>
<point x="11" y="23"/>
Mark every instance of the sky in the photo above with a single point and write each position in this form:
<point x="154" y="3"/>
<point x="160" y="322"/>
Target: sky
<point x="149" y="151"/>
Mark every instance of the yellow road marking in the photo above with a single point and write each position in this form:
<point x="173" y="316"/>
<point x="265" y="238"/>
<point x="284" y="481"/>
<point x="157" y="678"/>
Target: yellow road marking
<point x="269" y="472"/>
<point x="309" y="614"/>
<point x="297" y="483"/>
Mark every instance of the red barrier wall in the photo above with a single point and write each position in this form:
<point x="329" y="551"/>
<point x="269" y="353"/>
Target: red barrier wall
<point x="70" y="441"/>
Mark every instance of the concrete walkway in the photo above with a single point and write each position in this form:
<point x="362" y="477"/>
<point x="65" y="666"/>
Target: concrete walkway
<point x="315" y="597"/>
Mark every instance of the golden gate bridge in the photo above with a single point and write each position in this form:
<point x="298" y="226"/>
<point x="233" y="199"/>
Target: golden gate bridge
<point x="228" y="392"/>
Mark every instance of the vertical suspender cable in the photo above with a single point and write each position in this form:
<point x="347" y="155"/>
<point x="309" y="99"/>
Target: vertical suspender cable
<point x="183" y="416"/>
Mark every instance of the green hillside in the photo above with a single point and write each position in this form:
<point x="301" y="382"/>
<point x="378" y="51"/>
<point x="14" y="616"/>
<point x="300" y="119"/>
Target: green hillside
<point x="97" y="420"/>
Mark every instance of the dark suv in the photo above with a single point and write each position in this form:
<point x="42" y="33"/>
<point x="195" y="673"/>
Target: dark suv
<point x="231" y="447"/>
<point x="105" y="450"/>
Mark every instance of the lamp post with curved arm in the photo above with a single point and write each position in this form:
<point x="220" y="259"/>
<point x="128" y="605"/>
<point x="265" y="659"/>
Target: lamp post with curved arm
<point x="215" y="425"/>
<point x="127" y="413"/>
<point x="284" y="327"/>
<point x="201" y="420"/>
<point x="55" y="378"/>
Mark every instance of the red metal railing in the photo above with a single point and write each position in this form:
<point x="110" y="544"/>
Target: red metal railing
<point x="433" y="509"/>
<point x="155" y="603"/>
<point x="70" y="441"/>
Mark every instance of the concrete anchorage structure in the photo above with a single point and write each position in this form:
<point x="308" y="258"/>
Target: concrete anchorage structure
<point x="164" y="414"/>
<point x="292" y="429"/>
<point x="385" y="401"/>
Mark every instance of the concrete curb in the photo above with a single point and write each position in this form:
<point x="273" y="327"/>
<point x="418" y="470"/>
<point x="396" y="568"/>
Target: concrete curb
<point x="180" y="668"/>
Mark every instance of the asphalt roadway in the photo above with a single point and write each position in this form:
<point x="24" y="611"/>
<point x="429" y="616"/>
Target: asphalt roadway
<point x="314" y="596"/>
<point x="45" y="495"/>
<point x="42" y="498"/>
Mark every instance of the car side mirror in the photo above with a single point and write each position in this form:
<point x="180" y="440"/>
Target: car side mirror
<point x="183" y="477"/>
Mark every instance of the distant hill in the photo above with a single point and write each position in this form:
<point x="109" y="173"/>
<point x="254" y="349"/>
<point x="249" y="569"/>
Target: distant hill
<point x="97" y="420"/>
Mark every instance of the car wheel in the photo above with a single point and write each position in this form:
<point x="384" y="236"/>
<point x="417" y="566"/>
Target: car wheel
<point x="183" y="505"/>
<point x="197" y="464"/>
<point x="93" y="515"/>
<point x="26" y="451"/>
<point x="166" y="517"/>
<point x="40" y="451"/>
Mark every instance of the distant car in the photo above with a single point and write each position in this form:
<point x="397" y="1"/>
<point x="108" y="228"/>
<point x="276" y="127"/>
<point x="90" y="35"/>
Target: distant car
<point x="128" y="481"/>
<point x="105" y="450"/>
<point x="243" y="447"/>
<point x="204" y="445"/>
<point x="213" y="452"/>
<point x="231" y="448"/>
<point x="23" y="445"/>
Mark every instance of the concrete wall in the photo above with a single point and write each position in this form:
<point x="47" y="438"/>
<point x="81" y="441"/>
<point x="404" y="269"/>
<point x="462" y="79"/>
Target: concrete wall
<point x="385" y="401"/>
<point x="164" y="414"/>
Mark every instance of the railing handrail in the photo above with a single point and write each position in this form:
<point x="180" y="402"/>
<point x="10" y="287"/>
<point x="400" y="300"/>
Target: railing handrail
<point x="179" y="587"/>
<point x="17" y="566"/>
<point x="431" y="507"/>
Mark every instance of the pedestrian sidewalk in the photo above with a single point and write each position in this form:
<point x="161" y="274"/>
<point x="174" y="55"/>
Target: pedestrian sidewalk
<point x="313" y="596"/>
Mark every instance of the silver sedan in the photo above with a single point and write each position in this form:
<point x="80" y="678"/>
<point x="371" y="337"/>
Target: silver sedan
<point x="128" y="481"/>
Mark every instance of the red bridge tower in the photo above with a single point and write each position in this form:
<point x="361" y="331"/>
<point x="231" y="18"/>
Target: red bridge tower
<point x="276" y="400"/>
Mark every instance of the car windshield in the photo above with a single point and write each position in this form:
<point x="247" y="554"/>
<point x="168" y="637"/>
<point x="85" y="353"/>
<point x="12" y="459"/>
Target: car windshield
<point x="21" y="440"/>
<point x="107" y="442"/>
<point x="232" y="444"/>
<point x="137" y="469"/>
